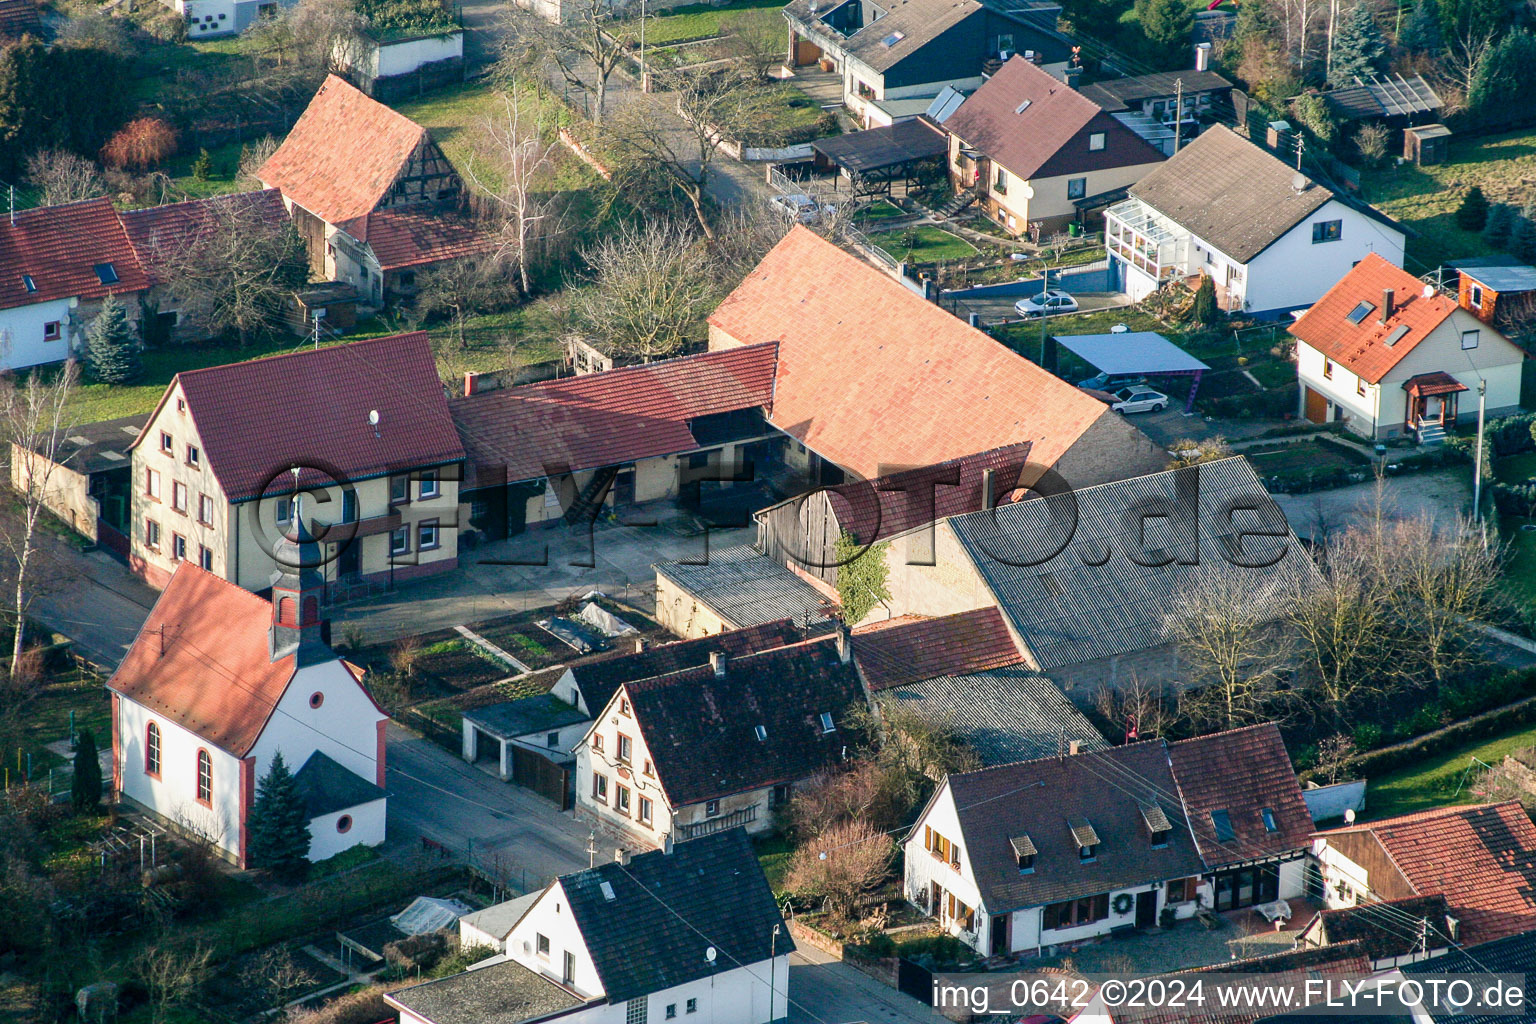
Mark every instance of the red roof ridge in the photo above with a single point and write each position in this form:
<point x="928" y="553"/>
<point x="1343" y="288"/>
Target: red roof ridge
<point x="1225" y="732"/>
<point x="1415" y="817"/>
<point x="301" y="354"/>
<point x="635" y="369"/>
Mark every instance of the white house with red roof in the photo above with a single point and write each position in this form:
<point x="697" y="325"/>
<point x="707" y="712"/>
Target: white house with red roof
<point x="1386" y="354"/>
<point x="367" y="426"/>
<point x="219" y="681"/>
<point x="57" y="264"/>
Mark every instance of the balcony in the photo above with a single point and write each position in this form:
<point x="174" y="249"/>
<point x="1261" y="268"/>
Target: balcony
<point x="709" y="826"/>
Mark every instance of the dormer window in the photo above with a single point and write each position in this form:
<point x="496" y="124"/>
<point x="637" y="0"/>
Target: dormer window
<point x="1270" y="824"/>
<point x="106" y="273"/>
<point x="1159" y="829"/>
<point x="1084" y="838"/>
<point x="1024" y="852"/>
<point x="826" y="722"/>
<point x="28" y="283"/>
<point x="761" y="732"/>
<point x="1221" y="822"/>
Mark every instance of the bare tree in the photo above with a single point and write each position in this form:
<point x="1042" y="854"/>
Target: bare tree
<point x="37" y="421"/>
<point x="171" y="972"/>
<point x="1146" y="710"/>
<point x="1442" y="584"/>
<point x="649" y="289"/>
<point x="1335" y="754"/>
<point x="585" y="47"/>
<point x="1224" y="630"/>
<point x="1464" y="54"/>
<point x="308" y="39"/>
<point x="236" y="271"/>
<point x="515" y="156"/>
<point x="252" y="156"/>
<point x="63" y="177"/>
<point x="460" y="289"/>
<point x="1344" y="628"/>
<point x="841" y="866"/>
<point x="754" y="39"/>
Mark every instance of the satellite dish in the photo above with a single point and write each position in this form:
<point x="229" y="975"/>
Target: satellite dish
<point x="1429" y="291"/>
<point x="1349" y="816"/>
<point x="373" y="417"/>
<point x="1119" y="329"/>
<point x="709" y="954"/>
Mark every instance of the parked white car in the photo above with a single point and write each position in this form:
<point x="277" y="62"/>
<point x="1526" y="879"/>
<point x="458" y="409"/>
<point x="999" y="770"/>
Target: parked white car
<point x="802" y="208"/>
<point x="1139" y="399"/>
<point x="1052" y="302"/>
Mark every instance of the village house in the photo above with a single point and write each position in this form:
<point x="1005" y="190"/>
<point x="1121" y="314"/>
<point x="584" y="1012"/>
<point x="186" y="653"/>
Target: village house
<point x="1482" y="859"/>
<point x="89" y="479"/>
<point x="1038" y="154"/>
<point x="371" y="194"/>
<point x="871" y="379"/>
<point x="702" y="750"/>
<point x="57" y="264"/>
<point x="962" y="673"/>
<point x="209" y="19"/>
<point x="687" y="933"/>
<point x="1188" y="100"/>
<point x="367" y="426"/>
<point x="217" y="683"/>
<point x="159" y="234"/>
<point x="1271" y="238"/>
<point x="1093" y="842"/>
<point x="1499" y="291"/>
<point x="1388" y="355"/>
<point x="894" y="57"/>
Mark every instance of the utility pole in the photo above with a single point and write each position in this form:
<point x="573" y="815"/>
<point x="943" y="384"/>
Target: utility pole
<point x="1301" y="144"/>
<point x="1477" y="460"/>
<point x="592" y="849"/>
<point x="1045" y="294"/>
<point x="645" y="72"/>
<point x="1178" y="111"/>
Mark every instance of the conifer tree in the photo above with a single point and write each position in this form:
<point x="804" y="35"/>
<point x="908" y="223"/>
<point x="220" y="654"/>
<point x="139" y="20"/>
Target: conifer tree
<point x="85" y="793"/>
<point x="111" y="349"/>
<point x="279" y="824"/>
<point x="1472" y="214"/>
<point x="1359" y="50"/>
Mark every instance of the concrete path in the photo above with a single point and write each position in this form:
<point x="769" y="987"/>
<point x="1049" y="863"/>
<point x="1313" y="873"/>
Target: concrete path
<point x="827" y="991"/>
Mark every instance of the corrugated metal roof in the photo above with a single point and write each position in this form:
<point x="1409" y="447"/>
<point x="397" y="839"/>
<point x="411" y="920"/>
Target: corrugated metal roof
<point x="745" y="588"/>
<point x="1062" y="567"/>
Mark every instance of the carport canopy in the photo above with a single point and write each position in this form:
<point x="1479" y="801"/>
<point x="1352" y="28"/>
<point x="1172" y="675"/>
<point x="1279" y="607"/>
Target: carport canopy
<point x="861" y="153"/>
<point x="1139" y="352"/>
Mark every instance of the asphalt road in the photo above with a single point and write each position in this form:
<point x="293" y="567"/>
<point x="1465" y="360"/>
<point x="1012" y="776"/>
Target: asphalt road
<point x="827" y="991"/>
<point x="92" y="599"/>
<point x="436" y="796"/>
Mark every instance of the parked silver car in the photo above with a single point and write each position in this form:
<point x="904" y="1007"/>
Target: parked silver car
<point x="1139" y="399"/>
<point x="1052" y="302"/>
<point x="802" y="208"/>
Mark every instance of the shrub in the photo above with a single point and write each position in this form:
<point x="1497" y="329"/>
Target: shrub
<point x="1367" y="736"/>
<point x="140" y="145"/>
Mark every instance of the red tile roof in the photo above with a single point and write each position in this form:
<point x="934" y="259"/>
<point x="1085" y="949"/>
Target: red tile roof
<point x="872" y="376"/>
<point x="1481" y="859"/>
<point x="904" y="501"/>
<point x="610" y="418"/>
<point x="343" y="154"/>
<point x="413" y="238"/>
<point x="258" y="418"/>
<point x="951" y="645"/>
<point x="59" y="248"/>
<point x="159" y="231"/>
<point x="202" y="660"/>
<point x="1049" y="136"/>
<point x="1203" y="768"/>
<point x="1362" y="348"/>
<point x="19" y="18"/>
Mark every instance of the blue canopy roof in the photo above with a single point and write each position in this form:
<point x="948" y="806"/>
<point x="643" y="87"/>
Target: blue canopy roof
<point x="1132" y="352"/>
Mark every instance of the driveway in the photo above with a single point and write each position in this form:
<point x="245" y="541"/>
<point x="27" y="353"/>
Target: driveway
<point x="93" y="600"/>
<point x="436" y="796"/>
<point x="1441" y="494"/>
<point x="827" y="991"/>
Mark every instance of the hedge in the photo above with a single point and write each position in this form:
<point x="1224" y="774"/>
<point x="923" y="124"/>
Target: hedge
<point x="1269" y="404"/>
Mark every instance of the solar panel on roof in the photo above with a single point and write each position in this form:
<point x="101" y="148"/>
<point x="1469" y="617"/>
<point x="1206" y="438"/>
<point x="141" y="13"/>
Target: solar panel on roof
<point x="1396" y="336"/>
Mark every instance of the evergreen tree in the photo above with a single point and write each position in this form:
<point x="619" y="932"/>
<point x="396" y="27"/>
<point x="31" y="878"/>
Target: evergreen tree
<point x="111" y="350"/>
<point x="1522" y="244"/>
<point x="86" y="790"/>
<point x="1167" y="25"/>
<point x="279" y="824"/>
<point x="1500" y="226"/>
<point x="1421" y="33"/>
<point x="1359" y="50"/>
<point x="1206" y="311"/>
<point x="1472" y="214"/>
<point x="1506" y="78"/>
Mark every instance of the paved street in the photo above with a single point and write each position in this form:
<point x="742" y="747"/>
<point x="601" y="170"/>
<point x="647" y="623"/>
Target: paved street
<point x="436" y="796"/>
<point x="94" y="601"/>
<point x="827" y="991"/>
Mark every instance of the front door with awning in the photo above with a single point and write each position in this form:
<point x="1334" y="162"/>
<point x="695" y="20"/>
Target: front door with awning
<point x="1432" y="400"/>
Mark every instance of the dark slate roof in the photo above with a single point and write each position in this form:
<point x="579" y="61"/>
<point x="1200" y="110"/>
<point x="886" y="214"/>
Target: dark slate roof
<point x="1383" y="96"/>
<point x="886" y="146"/>
<point x="700" y="729"/>
<point x="1230" y="192"/>
<point x="525" y="716"/>
<point x="327" y="786"/>
<point x="1513" y="954"/>
<point x="1124" y="93"/>
<point x="98" y="447"/>
<point x="918" y="23"/>
<point x="498" y="994"/>
<point x="1006" y="715"/>
<point x="1038" y="798"/>
<point x="598" y="680"/>
<point x="1380" y="927"/>
<point x="746" y="589"/>
<point x="1236" y="771"/>
<point x="909" y="650"/>
<point x="1067" y="611"/>
<point x="668" y="908"/>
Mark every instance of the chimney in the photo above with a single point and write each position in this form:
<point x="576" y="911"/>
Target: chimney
<point x="620" y="855"/>
<point x="1075" y="747"/>
<point x="988" y="496"/>
<point x="666" y="844"/>
<point x="471" y="378"/>
<point x="844" y="648"/>
<point x="1387" y="308"/>
<point x="1202" y="56"/>
<point x="717" y="660"/>
<point x="639" y="645"/>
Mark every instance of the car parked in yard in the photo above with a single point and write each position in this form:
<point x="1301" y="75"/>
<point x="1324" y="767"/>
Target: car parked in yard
<point x="1112" y="381"/>
<point x="802" y="208"/>
<point x="1052" y="302"/>
<point x="1139" y="399"/>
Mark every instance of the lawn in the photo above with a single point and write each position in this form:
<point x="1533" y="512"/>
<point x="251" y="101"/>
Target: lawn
<point x="773" y="853"/>
<point x="924" y="243"/>
<point x="787" y="116"/>
<point x="878" y="210"/>
<point x="701" y="21"/>
<point x="46" y="720"/>
<point x="1426" y="198"/>
<point x="1434" y="782"/>
<point x="1515" y="469"/>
